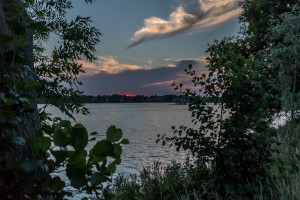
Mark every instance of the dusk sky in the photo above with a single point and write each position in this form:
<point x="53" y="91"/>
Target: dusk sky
<point x="147" y="44"/>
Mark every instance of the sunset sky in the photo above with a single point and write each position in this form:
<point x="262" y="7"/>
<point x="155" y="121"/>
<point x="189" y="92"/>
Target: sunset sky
<point x="146" y="44"/>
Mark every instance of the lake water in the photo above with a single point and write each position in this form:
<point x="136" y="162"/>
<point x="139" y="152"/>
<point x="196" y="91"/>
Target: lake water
<point x="140" y="122"/>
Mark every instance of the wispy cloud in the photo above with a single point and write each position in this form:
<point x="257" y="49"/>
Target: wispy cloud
<point x="180" y="76"/>
<point x="106" y="65"/>
<point x="208" y="13"/>
<point x="160" y="84"/>
<point x="110" y="65"/>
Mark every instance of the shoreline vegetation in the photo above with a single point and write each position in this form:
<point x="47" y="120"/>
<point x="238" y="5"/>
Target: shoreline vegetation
<point x="116" y="98"/>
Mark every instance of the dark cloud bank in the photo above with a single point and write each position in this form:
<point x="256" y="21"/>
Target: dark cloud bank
<point x="135" y="81"/>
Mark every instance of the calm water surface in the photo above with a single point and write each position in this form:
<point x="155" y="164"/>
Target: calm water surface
<point x="140" y="122"/>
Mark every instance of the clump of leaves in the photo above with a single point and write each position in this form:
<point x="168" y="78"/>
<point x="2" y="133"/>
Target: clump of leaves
<point x="64" y="147"/>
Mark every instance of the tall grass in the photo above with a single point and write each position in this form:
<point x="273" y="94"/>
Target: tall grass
<point x="153" y="183"/>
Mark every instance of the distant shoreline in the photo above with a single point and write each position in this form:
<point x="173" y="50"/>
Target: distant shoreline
<point x="116" y="98"/>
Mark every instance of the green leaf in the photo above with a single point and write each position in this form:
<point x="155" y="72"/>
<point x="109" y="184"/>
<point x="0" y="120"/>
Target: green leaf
<point x="57" y="184"/>
<point x="79" y="137"/>
<point x="103" y="148"/>
<point x="117" y="150"/>
<point x="77" y="176"/>
<point x="125" y="141"/>
<point x="111" y="168"/>
<point x="65" y="123"/>
<point x="19" y="41"/>
<point x="33" y="84"/>
<point x="113" y="134"/>
<point x="55" y="56"/>
<point x="60" y="139"/>
<point x="78" y="181"/>
<point x="96" y="159"/>
<point x="44" y="143"/>
<point x="117" y="161"/>
<point x="93" y="133"/>
<point x="41" y="170"/>
<point x="98" y="178"/>
<point x="79" y="159"/>
<point x="39" y="144"/>
<point x="60" y="156"/>
<point x="10" y="102"/>
<point x="39" y="26"/>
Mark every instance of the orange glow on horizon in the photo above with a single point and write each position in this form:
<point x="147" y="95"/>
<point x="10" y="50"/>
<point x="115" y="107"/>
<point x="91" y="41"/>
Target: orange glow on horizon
<point x="127" y="94"/>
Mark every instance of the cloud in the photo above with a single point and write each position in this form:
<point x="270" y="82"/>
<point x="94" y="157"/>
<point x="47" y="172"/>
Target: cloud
<point x="148" y="81"/>
<point x="208" y="13"/>
<point x="110" y="65"/>
<point x="180" y="76"/>
<point x="107" y="65"/>
<point x="160" y="84"/>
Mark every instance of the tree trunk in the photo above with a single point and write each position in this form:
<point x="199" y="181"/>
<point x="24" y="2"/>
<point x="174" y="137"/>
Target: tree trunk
<point x="19" y="72"/>
<point x="8" y="66"/>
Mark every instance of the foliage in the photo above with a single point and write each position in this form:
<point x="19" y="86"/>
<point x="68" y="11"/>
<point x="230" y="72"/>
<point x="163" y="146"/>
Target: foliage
<point x="76" y="40"/>
<point x="250" y="79"/>
<point x="284" y="55"/>
<point x="30" y="164"/>
<point x="153" y="182"/>
<point x="62" y="146"/>
<point x="257" y="17"/>
<point x="232" y="133"/>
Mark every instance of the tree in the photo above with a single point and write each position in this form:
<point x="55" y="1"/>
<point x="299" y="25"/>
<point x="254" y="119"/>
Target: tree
<point x="26" y="75"/>
<point x="235" y="102"/>
<point x="285" y="57"/>
<point x="232" y="112"/>
<point x="16" y="53"/>
<point x="18" y="105"/>
<point x="257" y="17"/>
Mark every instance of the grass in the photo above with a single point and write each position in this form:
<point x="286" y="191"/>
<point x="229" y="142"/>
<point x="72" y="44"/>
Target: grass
<point x="153" y="183"/>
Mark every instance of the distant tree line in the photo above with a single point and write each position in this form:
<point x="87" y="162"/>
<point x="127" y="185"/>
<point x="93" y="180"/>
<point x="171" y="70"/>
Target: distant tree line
<point x="117" y="98"/>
